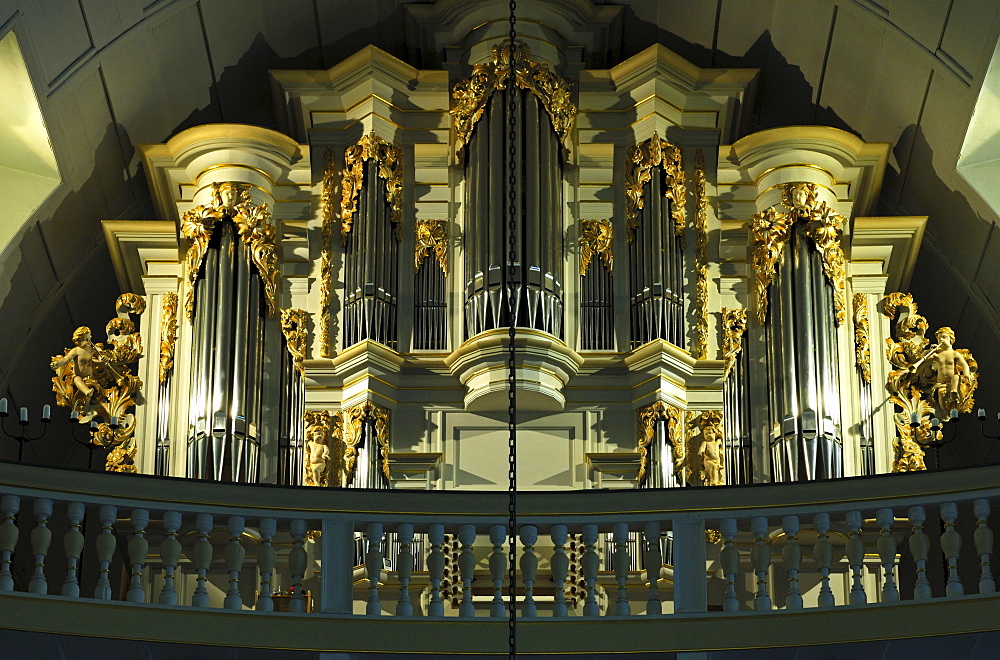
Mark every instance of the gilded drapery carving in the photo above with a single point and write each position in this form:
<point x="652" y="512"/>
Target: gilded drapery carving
<point x="431" y="238"/>
<point x="648" y="418"/>
<point x="390" y="168"/>
<point x="293" y="326"/>
<point x="596" y="239"/>
<point x="472" y="95"/>
<point x="352" y="429"/>
<point x="168" y="335"/>
<point x="734" y="323"/>
<point x="862" y="350"/>
<point x="640" y="160"/>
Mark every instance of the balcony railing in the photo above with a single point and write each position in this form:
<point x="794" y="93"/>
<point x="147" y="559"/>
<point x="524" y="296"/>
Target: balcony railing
<point x="77" y="548"/>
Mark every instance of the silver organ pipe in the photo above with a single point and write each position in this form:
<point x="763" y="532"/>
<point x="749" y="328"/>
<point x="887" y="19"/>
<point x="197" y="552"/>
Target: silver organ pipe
<point x="597" y="318"/>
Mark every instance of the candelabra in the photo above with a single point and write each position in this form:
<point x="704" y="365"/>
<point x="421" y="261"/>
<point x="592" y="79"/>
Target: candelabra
<point x="22" y="437"/>
<point x="981" y="414"/>
<point x="941" y="434"/>
<point x="88" y="439"/>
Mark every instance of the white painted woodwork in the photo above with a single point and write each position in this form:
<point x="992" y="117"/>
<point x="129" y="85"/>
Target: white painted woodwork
<point x="138" y="548"/>
<point x="41" y="538"/>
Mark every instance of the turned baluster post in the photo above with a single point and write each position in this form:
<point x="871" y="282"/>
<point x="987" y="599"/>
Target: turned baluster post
<point x="404" y="567"/>
<point x="266" y="558"/>
<point x="73" y="543"/>
<point x="498" y="569"/>
<point x="435" y="566"/>
<point x="202" y="558"/>
<point x="41" y="538"/>
<point x="823" y="552"/>
<point x="373" y="565"/>
<point x="730" y="560"/>
<point x="886" y="546"/>
<point x="792" y="556"/>
<point x="760" y="557"/>
<point x="529" y="567"/>
<point x="951" y="545"/>
<point x="235" y="556"/>
<point x="467" y="568"/>
<point x="106" y="543"/>
<point x="653" y="559"/>
<point x="591" y="563"/>
<point x="170" y="554"/>
<point x="9" y="506"/>
<point x="919" y="547"/>
<point x="983" y="538"/>
<point x="560" y="565"/>
<point x="138" y="549"/>
<point x="297" y="565"/>
<point x="855" y="550"/>
<point x="621" y="564"/>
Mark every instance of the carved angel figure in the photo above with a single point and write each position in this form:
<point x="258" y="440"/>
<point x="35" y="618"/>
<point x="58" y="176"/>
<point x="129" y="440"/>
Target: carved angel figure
<point x="76" y="368"/>
<point x="317" y="459"/>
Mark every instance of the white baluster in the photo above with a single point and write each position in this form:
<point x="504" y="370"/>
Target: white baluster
<point x="760" y="557"/>
<point x="41" y="538"/>
<point x="9" y="506"/>
<point x="529" y="567"/>
<point x="170" y="555"/>
<point x="823" y="552"/>
<point x="202" y="558"/>
<point x="266" y="557"/>
<point x="653" y="559"/>
<point x="951" y="545"/>
<point x="792" y="556"/>
<point x="622" y="562"/>
<point x="404" y="567"/>
<point x="467" y="568"/>
<point x="498" y="569"/>
<point x="855" y="550"/>
<point x="73" y="543"/>
<point x="138" y="549"/>
<point x="297" y="559"/>
<point x="591" y="564"/>
<point x="984" y="545"/>
<point x="235" y="556"/>
<point x="730" y="560"/>
<point x="106" y="544"/>
<point x="559" y="564"/>
<point x="886" y="546"/>
<point x="374" y="565"/>
<point x="435" y="565"/>
<point x="919" y="547"/>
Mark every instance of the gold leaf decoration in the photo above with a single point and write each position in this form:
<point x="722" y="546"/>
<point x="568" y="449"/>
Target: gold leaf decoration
<point x="734" y="323"/>
<point x="390" y="168"/>
<point x="769" y="231"/>
<point x="293" y="325"/>
<point x="353" y="425"/>
<point x="431" y="237"/>
<point x="168" y="335"/>
<point x="708" y="457"/>
<point x="648" y="417"/>
<point x="700" y="348"/>
<point x="596" y="240"/>
<point x="640" y="161"/>
<point x="472" y="95"/>
<point x="318" y="459"/>
<point x="328" y="206"/>
<point x="862" y="350"/>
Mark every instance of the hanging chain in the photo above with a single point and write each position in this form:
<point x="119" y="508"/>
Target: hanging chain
<point x="512" y="306"/>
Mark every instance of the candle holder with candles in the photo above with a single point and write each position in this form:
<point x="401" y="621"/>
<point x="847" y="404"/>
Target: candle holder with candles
<point x="22" y="436"/>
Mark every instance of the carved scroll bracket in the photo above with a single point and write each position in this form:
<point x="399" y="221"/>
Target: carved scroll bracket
<point x="168" y="335"/>
<point x="640" y="161"/>
<point x="293" y="326"/>
<point x="390" y="168"/>
<point x="596" y="240"/>
<point x="734" y="324"/>
<point x="862" y="348"/>
<point x="431" y="238"/>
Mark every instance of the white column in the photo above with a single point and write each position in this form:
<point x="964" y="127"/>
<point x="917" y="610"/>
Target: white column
<point x="9" y="506"/>
<point x="951" y="545"/>
<point x="919" y="547"/>
<point x="467" y="568"/>
<point x="855" y="550"/>
<point x="202" y="558"/>
<point x="41" y="538"/>
<point x="983" y="538"/>
<point x="138" y="549"/>
<point x="170" y="556"/>
<point x="690" y="579"/>
<point x="297" y="565"/>
<point x="106" y="544"/>
<point x="498" y="569"/>
<point x="792" y="556"/>
<point x="529" y="567"/>
<point x="266" y="558"/>
<point x="730" y="560"/>
<point x="373" y="565"/>
<point x="435" y="566"/>
<point x="73" y="543"/>
<point x="591" y="564"/>
<point x="760" y="557"/>
<point x="559" y="564"/>
<point x="823" y="552"/>
<point x="235" y="556"/>
<point x="337" y="579"/>
<point x="404" y="567"/>
<point x="653" y="560"/>
<point x="886" y="546"/>
<point x="621" y="563"/>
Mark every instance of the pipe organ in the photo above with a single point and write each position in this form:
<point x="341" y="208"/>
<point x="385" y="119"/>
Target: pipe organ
<point x="681" y="282"/>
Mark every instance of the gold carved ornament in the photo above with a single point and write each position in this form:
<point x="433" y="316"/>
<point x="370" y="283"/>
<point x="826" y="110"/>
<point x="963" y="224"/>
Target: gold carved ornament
<point x="925" y="381"/>
<point x="168" y="335"/>
<point x="648" y="418"/>
<point x="318" y="459"/>
<point x="390" y="168"/>
<point x="596" y="240"/>
<point x="293" y="326"/>
<point x="862" y="349"/>
<point x="96" y="381"/>
<point x="640" y="161"/>
<point x="431" y="237"/>
<point x="472" y="95"/>
<point x="705" y="449"/>
<point x="354" y="419"/>
<point x="771" y="229"/>
<point x="734" y="324"/>
<point x="232" y="200"/>
<point x="700" y="348"/>
<point x="328" y="206"/>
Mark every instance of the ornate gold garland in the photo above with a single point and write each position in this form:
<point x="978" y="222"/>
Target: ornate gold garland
<point x="328" y="205"/>
<point x="648" y="416"/>
<point x="390" y="168"/>
<point x="431" y="236"/>
<point x="640" y="160"/>
<point x="293" y="326"/>
<point x="596" y="239"/>
<point x="734" y="323"/>
<point x="700" y="348"/>
<point x="353" y="420"/>
<point x="168" y="335"/>
<point x="862" y="350"/>
<point x="472" y="95"/>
